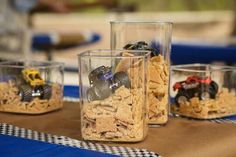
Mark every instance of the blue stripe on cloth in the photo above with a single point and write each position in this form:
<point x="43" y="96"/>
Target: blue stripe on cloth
<point x="71" y="91"/>
<point x="15" y="147"/>
<point x="42" y="40"/>
<point x="187" y="53"/>
<point x="230" y="118"/>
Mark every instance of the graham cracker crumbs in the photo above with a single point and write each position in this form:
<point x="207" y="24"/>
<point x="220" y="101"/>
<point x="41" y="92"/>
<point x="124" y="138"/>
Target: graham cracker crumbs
<point x="223" y="105"/>
<point x="123" y="122"/>
<point x="158" y="90"/>
<point x="10" y="101"/>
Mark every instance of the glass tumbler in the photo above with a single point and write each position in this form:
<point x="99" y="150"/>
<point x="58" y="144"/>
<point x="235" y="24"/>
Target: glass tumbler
<point x="113" y="95"/>
<point x="203" y="91"/>
<point x="155" y="37"/>
<point x="31" y="87"/>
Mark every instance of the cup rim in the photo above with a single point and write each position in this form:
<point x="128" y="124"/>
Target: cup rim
<point x="86" y="53"/>
<point x="142" y="22"/>
<point x="212" y="68"/>
<point x="50" y="64"/>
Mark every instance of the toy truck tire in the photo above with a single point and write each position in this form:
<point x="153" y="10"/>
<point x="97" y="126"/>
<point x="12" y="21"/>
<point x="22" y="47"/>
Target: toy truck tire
<point x="91" y="95"/>
<point x="215" y="87"/>
<point x="210" y="91"/>
<point x="99" y="91"/>
<point x="204" y="95"/>
<point x="47" y="92"/>
<point x="26" y="93"/>
<point x="122" y="79"/>
<point x="181" y="97"/>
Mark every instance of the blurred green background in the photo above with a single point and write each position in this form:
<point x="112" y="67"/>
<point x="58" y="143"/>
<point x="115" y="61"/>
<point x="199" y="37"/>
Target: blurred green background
<point x="167" y="5"/>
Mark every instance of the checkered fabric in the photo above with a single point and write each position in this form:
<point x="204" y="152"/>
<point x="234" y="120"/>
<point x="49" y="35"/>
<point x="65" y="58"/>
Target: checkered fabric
<point x="230" y="119"/>
<point x="7" y="129"/>
<point x="217" y="120"/>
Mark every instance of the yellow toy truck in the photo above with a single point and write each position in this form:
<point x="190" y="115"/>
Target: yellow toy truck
<point x="32" y="77"/>
<point x="34" y="86"/>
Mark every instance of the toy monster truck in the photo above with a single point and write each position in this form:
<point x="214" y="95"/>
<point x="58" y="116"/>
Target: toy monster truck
<point x="203" y="87"/>
<point x="103" y="82"/>
<point x="34" y="86"/>
<point x="141" y="45"/>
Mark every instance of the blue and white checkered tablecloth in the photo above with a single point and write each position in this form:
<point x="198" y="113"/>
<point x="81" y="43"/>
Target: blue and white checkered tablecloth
<point x="29" y="143"/>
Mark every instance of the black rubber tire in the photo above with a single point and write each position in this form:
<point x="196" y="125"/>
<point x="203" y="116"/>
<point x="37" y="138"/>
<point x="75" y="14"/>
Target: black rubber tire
<point x="47" y="92"/>
<point x="91" y="94"/>
<point x="214" y="89"/>
<point x="101" y="90"/>
<point x="122" y="78"/>
<point x="211" y="89"/>
<point x="179" y="95"/>
<point x="205" y="95"/>
<point x="25" y="93"/>
<point x="128" y="47"/>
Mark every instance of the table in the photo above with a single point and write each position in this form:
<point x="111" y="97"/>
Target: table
<point x="179" y="138"/>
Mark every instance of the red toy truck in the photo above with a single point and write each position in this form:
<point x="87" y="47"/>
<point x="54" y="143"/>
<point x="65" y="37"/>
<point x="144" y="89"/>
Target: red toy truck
<point x="202" y="87"/>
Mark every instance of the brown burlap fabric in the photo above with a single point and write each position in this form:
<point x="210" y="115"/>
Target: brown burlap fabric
<point x="179" y="138"/>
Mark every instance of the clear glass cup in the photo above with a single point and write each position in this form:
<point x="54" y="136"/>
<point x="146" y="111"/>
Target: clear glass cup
<point x="31" y="87"/>
<point x="156" y="37"/>
<point x="113" y="95"/>
<point x="203" y="91"/>
<point x="15" y="34"/>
